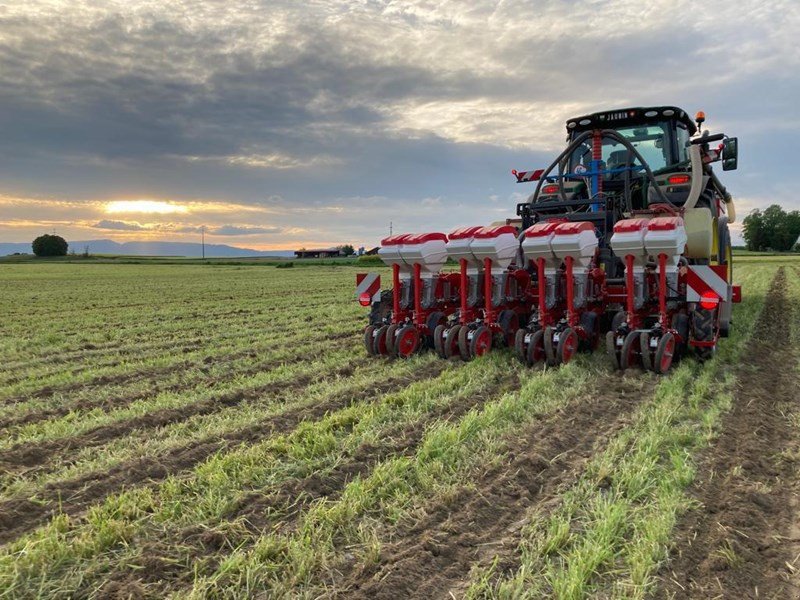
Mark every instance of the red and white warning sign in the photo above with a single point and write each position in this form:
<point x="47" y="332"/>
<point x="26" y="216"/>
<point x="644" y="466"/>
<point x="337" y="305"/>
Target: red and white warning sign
<point x="368" y="288"/>
<point x="706" y="283"/>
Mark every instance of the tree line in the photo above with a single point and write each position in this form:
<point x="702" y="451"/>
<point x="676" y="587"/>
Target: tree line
<point x="772" y="229"/>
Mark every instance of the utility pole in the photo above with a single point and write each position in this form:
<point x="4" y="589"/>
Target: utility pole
<point x="203" y="240"/>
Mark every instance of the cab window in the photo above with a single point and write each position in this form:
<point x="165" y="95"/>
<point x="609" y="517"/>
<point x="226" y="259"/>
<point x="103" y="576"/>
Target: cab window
<point x="651" y="141"/>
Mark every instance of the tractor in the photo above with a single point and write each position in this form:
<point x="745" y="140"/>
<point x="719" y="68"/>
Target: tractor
<point x="624" y="241"/>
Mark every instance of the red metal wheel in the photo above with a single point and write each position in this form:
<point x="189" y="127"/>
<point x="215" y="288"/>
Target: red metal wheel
<point x="450" y="341"/>
<point x="481" y="341"/>
<point x="644" y="345"/>
<point x="407" y="341"/>
<point x="391" y="337"/>
<point x="664" y="353"/>
<point x="369" y="342"/>
<point x="629" y="355"/>
<point x="535" y="352"/>
<point x="549" y="349"/>
<point x="567" y="345"/>
<point x="379" y="343"/>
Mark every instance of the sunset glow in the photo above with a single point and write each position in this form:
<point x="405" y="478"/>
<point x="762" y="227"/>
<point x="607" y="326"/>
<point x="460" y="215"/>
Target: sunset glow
<point x="144" y="206"/>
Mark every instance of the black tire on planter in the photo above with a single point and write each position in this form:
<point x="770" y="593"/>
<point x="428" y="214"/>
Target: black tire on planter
<point x="382" y="309"/>
<point x="369" y="342"/>
<point x="680" y="323"/>
<point x="590" y="323"/>
<point x="618" y="320"/>
<point x="703" y="330"/>
<point x="438" y="340"/>
<point x="434" y="320"/>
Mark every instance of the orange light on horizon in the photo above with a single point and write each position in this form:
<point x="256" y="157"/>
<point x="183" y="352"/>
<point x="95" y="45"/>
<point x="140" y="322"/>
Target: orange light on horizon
<point x="144" y="206"/>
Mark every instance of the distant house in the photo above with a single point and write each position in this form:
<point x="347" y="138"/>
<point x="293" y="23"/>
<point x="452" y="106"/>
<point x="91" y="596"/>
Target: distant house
<point x="318" y="252"/>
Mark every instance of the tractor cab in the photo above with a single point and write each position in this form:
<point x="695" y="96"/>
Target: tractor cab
<point x="628" y="161"/>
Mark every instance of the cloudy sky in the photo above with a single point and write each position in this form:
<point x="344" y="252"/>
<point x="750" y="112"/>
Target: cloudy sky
<point x="280" y="124"/>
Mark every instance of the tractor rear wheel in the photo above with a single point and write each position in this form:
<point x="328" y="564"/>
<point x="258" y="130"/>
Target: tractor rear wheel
<point x="644" y="344"/>
<point x="481" y="341"/>
<point x="630" y="351"/>
<point x="703" y="331"/>
<point x="664" y="353"/>
<point x="369" y="342"/>
<point x="535" y="352"/>
<point x="451" y="341"/>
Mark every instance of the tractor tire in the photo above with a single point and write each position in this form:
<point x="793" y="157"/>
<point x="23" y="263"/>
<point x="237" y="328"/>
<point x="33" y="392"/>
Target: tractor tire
<point x="382" y="309"/>
<point x="726" y="259"/>
<point x="703" y="331"/>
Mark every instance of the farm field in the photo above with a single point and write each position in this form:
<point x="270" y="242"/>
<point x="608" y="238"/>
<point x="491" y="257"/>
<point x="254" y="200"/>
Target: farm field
<point x="195" y="431"/>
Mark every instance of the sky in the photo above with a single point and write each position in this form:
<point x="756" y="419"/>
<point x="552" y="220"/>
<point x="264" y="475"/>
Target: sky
<point x="278" y="124"/>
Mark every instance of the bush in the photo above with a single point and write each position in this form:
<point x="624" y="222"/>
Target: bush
<point x="286" y="265"/>
<point x="371" y="260"/>
<point x="50" y="245"/>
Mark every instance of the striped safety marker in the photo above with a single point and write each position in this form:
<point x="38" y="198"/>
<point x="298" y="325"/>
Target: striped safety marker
<point x="368" y="288"/>
<point x="702" y="281"/>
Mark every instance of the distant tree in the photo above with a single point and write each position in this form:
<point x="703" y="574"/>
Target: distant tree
<point x="347" y="249"/>
<point x="50" y="245"/>
<point x="772" y="229"/>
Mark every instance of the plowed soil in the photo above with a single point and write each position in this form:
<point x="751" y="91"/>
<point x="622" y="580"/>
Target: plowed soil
<point x="432" y="558"/>
<point x="742" y="541"/>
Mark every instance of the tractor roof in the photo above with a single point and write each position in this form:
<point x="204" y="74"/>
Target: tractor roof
<point x="612" y="119"/>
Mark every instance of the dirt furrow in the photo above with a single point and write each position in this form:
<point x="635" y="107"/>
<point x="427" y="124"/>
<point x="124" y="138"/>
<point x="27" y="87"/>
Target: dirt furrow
<point x="280" y="510"/>
<point x="433" y="557"/>
<point x="73" y="497"/>
<point x="118" y="402"/>
<point x="131" y="377"/>
<point x="33" y="458"/>
<point x="741" y="540"/>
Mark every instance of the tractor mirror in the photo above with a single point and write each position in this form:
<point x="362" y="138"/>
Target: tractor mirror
<point x="730" y="154"/>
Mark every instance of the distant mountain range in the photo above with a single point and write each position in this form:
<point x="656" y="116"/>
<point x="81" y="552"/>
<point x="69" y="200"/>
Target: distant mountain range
<point x="150" y="249"/>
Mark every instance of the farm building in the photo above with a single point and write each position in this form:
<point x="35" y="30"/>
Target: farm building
<point x="318" y="252"/>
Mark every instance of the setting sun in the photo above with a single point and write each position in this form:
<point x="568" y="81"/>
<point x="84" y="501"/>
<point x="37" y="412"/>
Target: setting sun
<point x="144" y="206"/>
